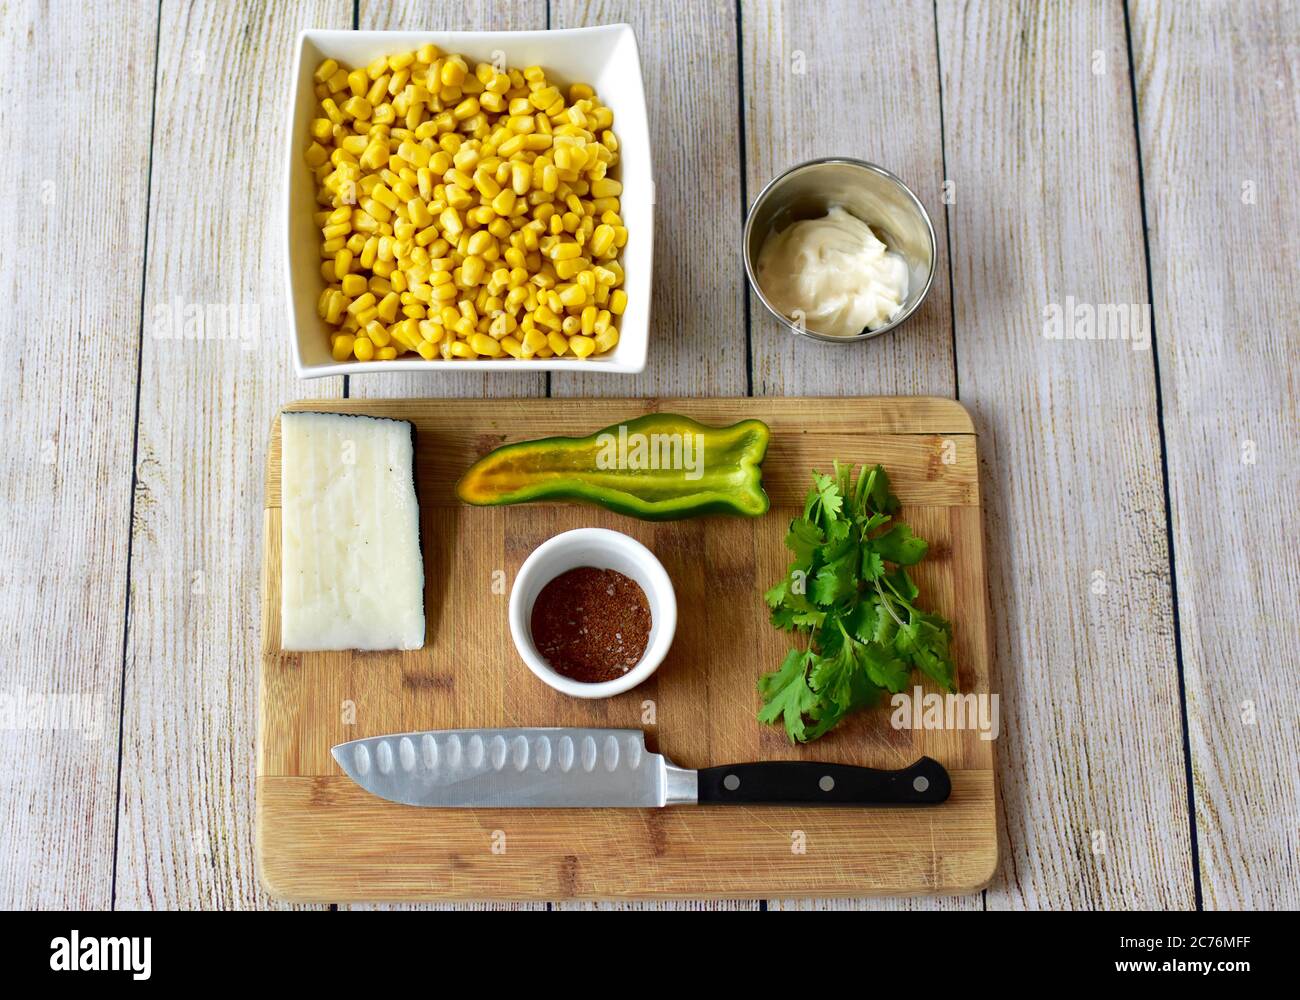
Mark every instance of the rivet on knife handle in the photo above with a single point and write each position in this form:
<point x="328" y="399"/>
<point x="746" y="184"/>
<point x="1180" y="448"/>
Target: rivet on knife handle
<point x="805" y="782"/>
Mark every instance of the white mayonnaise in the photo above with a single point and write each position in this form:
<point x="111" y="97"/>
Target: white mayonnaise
<point x="834" y="274"/>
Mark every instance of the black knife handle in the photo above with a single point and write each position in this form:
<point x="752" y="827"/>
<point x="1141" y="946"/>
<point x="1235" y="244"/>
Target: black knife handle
<point x="808" y="783"/>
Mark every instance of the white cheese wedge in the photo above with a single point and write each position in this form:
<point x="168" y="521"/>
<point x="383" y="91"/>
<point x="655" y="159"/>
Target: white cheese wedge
<point x="352" y="574"/>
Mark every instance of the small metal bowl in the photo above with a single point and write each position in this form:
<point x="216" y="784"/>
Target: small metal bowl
<point x="872" y="194"/>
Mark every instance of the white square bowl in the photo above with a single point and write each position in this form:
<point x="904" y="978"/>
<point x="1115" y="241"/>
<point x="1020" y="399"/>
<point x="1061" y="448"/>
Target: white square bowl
<point x="605" y="57"/>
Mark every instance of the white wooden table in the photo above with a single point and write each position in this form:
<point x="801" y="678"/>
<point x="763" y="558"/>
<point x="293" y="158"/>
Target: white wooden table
<point x="1141" y="518"/>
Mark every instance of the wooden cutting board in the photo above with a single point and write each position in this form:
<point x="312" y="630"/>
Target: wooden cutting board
<point x="321" y="838"/>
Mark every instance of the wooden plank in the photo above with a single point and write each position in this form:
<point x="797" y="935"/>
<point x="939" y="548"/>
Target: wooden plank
<point x="697" y="323"/>
<point x="1219" y="129"/>
<point x="810" y="92"/>
<point x="470" y="15"/>
<point x="186" y="836"/>
<point x="322" y="837"/>
<point x="71" y="402"/>
<point x="1039" y="134"/>
<point x="807" y="93"/>
<point x="474" y="15"/>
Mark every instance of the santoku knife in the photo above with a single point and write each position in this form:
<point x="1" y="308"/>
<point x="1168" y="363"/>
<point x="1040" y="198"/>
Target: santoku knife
<point x="577" y="768"/>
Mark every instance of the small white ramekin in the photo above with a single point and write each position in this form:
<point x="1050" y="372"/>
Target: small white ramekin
<point x="602" y="549"/>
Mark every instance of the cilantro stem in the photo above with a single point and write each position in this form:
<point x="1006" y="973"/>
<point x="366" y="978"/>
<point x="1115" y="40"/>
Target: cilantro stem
<point x="887" y="604"/>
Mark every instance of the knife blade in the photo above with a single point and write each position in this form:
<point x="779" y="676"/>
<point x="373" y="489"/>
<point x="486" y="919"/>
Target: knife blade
<point x="562" y="768"/>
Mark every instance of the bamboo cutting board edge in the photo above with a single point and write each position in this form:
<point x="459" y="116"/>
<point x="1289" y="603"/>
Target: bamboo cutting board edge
<point x="290" y="809"/>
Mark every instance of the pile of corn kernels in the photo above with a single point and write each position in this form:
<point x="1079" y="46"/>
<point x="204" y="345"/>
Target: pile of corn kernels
<point x="465" y="213"/>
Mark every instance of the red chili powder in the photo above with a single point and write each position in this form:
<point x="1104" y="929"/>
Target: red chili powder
<point x="591" y="624"/>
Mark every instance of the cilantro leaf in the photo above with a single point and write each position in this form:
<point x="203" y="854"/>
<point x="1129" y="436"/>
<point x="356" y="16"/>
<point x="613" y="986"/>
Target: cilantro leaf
<point x="786" y="694"/>
<point x="899" y="545"/>
<point x="803" y="539"/>
<point x="834" y="581"/>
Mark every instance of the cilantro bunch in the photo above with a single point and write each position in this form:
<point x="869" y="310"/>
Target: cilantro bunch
<point x="848" y="591"/>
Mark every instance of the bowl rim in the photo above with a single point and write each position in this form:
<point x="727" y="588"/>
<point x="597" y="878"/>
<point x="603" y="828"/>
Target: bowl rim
<point x="665" y="596"/>
<point x="874" y="168"/>
<point x="636" y="358"/>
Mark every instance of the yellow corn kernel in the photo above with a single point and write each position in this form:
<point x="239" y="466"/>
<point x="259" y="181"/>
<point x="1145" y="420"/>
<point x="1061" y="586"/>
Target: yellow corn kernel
<point x="459" y="198"/>
<point x="483" y="344"/>
<point x="459" y="178"/>
<point x="418" y="212"/>
<point x="480" y="242"/>
<point x="363" y="349"/>
<point x="388" y="307"/>
<point x="427" y="350"/>
<point x="454" y="71"/>
<point x="606" y="339"/>
<point x="602" y="239"/>
<point x="486" y="184"/>
<point x="472" y="270"/>
<point x="617" y="301"/>
<point x="450" y="222"/>
<point x="334" y="309"/>
<point x="565" y="251"/>
<point x="384" y="195"/>
<point x="582" y="346"/>
<point x="362" y="302"/>
<point x="574" y="296"/>
<point x="568" y="269"/>
<point x="342" y="349"/>
<point x="401" y="61"/>
<point x="557" y="343"/>
<point x="358" y="107"/>
<point x="398" y="83"/>
<point x="342" y="263"/>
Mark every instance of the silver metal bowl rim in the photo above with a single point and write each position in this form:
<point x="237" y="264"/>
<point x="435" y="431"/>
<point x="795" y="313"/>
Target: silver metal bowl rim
<point x="898" y="320"/>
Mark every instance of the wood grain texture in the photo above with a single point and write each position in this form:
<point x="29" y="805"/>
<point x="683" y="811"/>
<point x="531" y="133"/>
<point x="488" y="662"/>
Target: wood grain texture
<point x="810" y="92"/>
<point x="464" y="15"/>
<point x="697" y="321"/>
<point x="322" y="837"/>
<point x="70" y="399"/>
<point x="1219" y="110"/>
<point x="1040" y="148"/>
<point x="474" y="15"/>
<point x="186" y="837"/>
